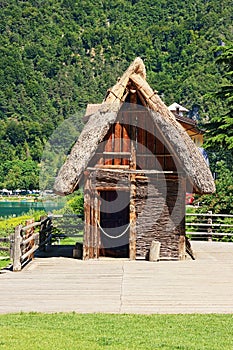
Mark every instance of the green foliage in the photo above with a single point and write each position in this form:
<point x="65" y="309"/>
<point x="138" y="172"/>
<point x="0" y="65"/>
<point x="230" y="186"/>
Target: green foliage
<point x="76" y="203"/>
<point x="221" y="125"/>
<point x="103" y="331"/>
<point x="222" y="200"/>
<point x="57" y="56"/>
<point x="19" y="174"/>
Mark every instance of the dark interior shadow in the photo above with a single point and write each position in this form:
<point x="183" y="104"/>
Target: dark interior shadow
<point x="65" y="251"/>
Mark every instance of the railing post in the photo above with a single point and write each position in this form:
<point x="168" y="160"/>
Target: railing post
<point x="17" y="249"/>
<point x="29" y="233"/>
<point x="42" y="236"/>
<point x="210" y="230"/>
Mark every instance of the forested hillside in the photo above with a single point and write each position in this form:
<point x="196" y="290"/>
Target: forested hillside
<point x="57" y="56"/>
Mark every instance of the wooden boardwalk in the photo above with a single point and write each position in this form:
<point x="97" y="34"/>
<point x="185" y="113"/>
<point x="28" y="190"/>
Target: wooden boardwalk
<point x="121" y="286"/>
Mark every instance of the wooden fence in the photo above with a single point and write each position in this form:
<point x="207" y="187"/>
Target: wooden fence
<point x="209" y="226"/>
<point x="26" y="240"/>
<point x="36" y="235"/>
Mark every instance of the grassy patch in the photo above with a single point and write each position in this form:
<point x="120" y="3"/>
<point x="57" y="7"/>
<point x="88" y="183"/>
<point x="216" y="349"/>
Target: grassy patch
<point x="4" y="263"/>
<point x="104" y="331"/>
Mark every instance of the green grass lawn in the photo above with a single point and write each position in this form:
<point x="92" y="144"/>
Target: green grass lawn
<point x="106" y="331"/>
<point x="4" y="263"/>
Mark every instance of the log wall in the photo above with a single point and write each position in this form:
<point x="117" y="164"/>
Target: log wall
<point x="159" y="207"/>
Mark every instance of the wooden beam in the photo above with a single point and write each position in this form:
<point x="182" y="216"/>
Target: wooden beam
<point x="95" y="226"/>
<point x="110" y="167"/>
<point x="132" y="204"/>
<point x="87" y="218"/>
<point x="117" y="142"/>
<point x="126" y="136"/>
<point x="108" y="145"/>
<point x="117" y="153"/>
<point x="91" y="241"/>
<point x="182" y="240"/>
<point x="133" y="171"/>
<point x="29" y="232"/>
<point x="113" y="188"/>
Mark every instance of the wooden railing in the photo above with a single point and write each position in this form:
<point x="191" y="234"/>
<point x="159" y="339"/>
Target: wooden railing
<point x="209" y="226"/>
<point x="37" y="235"/>
<point x="26" y="240"/>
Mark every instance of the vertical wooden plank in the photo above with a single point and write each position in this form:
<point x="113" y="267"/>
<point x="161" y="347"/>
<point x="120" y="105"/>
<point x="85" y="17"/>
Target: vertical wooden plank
<point x="150" y="143"/>
<point x="141" y="139"/>
<point x="95" y="228"/>
<point x="98" y="229"/>
<point x="29" y="233"/>
<point x="133" y="192"/>
<point x="126" y="137"/>
<point x="91" y="246"/>
<point x="117" y="142"/>
<point x="42" y="235"/>
<point x="17" y="249"/>
<point x="182" y="241"/>
<point x="109" y="145"/>
<point x="210" y="228"/>
<point x="87" y="218"/>
<point x="132" y="218"/>
<point x="100" y="150"/>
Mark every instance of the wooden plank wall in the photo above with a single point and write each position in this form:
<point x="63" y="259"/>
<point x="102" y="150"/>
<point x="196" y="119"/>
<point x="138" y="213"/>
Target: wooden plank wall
<point x="135" y="132"/>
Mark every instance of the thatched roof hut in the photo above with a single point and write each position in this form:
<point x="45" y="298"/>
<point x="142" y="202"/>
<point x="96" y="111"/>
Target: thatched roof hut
<point x="100" y="121"/>
<point x="134" y="152"/>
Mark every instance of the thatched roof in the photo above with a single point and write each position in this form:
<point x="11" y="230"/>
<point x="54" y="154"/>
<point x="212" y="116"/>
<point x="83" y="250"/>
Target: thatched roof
<point x="98" y="124"/>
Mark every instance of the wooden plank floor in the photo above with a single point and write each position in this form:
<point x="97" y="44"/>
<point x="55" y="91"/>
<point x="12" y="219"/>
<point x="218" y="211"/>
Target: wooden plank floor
<point x="121" y="286"/>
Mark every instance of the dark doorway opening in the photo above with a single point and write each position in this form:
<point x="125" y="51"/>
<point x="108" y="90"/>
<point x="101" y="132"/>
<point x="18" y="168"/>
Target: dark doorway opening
<point x="114" y="224"/>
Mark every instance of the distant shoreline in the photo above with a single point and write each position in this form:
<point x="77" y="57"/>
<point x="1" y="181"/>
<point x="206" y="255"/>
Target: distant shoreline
<point x="20" y="199"/>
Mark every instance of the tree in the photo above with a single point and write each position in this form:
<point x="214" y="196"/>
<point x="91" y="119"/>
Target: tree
<point x="222" y="200"/>
<point x="221" y="126"/>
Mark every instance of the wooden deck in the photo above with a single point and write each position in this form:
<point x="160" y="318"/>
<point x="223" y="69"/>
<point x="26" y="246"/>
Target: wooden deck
<point x="121" y="286"/>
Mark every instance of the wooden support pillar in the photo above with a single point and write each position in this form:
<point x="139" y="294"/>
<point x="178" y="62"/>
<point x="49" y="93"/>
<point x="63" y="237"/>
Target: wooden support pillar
<point x="29" y="233"/>
<point x="42" y="235"/>
<point x="95" y="228"/>
<point x="182" y="240"/>
<point x="133" y="192"/>
<point x="132" y="218"/>
<point x="17" y="249"/>
<point x="87" y="216"/>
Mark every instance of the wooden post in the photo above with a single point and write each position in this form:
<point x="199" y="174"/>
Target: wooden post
<point x="210" y="229"/>
<point x="133" y="193"/>
<point x="17" y="249"/>
<point x="182" y="240"/>
<point x="95" y="228"/>
<point x="29" y="233"/>
<point x="91" y="241"/>
<point x="87" y="217"/>
<point x="42" y="236"/>
<point x="117" y="142"/>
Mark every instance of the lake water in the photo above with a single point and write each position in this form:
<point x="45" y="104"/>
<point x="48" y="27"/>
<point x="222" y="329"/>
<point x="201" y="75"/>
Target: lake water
<point x="17" y="208"/>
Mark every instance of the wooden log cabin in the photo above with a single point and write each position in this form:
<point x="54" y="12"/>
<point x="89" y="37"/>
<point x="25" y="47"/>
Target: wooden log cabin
<point x="136" y="162"/>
